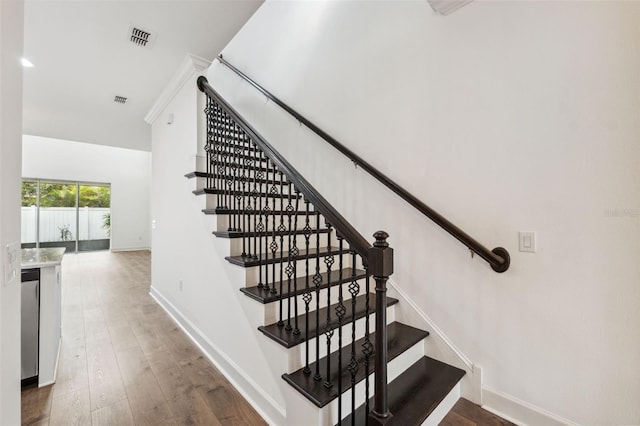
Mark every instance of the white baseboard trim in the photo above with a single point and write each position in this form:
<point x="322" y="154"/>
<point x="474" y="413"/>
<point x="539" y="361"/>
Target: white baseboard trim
<point x="113" y="250"/>
<point x="520" y="412"/>
<point x="270" y="410"/>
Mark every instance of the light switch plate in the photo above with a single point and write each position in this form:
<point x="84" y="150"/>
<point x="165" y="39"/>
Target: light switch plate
<point x="527" y="241"/>
<point x="11" y="260"/>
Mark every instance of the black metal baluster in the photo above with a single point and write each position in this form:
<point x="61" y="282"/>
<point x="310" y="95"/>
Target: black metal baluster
<point x="209" y="145"/>
<point x="219" y="169"/>
<point x="266" y="211"/>
<point x="354" y="289"/>
<point x="317" y="281"/>
<point x="246" y="204"/>
<point x="367" y="347"/>
<point x="229" y="174"/>
<point x="307" y="290"/>
<point x="295" y="252"/>
<point x="274" y="244"/>
<point x="281" y="231"/>
<point x="255" y="193"/>
<point x="292" y="257"/>
<point x="237" y="195"/>
<point x="328" y="330"/>
<point x="340" y="311"/>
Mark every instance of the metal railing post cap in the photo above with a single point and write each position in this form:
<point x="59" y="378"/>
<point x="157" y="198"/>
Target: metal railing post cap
<point x="201" y="80"/>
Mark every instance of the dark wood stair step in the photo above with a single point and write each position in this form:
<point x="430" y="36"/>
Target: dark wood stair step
<point x="221" y="211"/>
<point x="240" y="234"/>
<point x="243" y="193"/>
<point x="400" y="337"/>
<point x="415" y="393"/>
<point x="303" y="254"/>
<point x="249" y="180"/>
<point x="233" y="141"/>
<point x="267" y="296"/>
<point x="287" y="339"/>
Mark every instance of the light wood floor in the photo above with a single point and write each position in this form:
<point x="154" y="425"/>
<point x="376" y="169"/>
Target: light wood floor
<point x="123" y="360"/>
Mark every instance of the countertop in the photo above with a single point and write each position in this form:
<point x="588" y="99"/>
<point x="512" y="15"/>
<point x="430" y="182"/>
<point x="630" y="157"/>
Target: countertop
<point x="42" y="257"/>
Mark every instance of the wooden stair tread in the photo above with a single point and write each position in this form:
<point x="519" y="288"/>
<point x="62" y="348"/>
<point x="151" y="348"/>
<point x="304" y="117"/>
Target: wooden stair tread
<point x="415" y="393"/>
<point x="203" y="191"/>
<point x="303" y="254"/>
<point x="250" y="180"/>
<point x="222" y="211"/>
<point x="287" y="339"/>
<point x="400" y="337"/>
<point x="240" y="234"/>
<point x="266" y="296"/>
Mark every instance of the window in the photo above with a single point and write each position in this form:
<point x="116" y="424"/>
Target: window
<point x="66" y="214"/>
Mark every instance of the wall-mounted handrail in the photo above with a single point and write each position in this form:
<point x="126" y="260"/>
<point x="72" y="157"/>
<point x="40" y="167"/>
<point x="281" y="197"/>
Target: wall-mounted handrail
<point x="358" y="243"/>
<point x="498" y="258"/>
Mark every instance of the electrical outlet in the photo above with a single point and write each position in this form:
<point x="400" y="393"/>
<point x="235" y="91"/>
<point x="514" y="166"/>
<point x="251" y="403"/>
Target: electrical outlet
<point x="12" y="260"/>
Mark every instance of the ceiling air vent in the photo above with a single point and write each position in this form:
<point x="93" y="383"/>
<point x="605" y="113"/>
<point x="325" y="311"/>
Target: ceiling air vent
<point x="140" y="37"/>
<point x="119" y="99"/>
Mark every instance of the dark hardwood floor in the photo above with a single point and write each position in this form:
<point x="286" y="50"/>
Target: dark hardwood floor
<point x="466" y="413"/>
<point x="124" y="361"/>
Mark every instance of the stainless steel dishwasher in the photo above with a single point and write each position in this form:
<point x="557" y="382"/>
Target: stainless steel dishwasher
<point x="30" y="324"/>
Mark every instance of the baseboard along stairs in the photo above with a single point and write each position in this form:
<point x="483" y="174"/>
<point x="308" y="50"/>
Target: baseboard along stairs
<point x="321" y="287"/>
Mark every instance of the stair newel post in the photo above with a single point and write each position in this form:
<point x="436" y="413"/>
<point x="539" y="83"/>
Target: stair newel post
<point x="380" y="260"/>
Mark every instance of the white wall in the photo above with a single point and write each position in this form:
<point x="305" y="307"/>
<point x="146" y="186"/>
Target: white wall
<point x="190" y="276"/>
<point x="11" y="30"/>
<point x="504" y="117"/>
<point x="128" y="171"/>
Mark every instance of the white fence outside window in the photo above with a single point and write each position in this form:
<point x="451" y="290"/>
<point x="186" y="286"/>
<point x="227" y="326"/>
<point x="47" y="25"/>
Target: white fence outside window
<point x="54" y="220"/>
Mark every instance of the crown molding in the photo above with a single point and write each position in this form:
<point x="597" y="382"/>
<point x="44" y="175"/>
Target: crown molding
<point x="191" y="65"/>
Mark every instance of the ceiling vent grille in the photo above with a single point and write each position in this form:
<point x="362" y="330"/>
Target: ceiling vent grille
<point x="119" y="99"/>
<point x="140" y="37"/>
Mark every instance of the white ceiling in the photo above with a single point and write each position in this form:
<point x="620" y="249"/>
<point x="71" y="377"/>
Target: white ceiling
<point x="82" y="58"/>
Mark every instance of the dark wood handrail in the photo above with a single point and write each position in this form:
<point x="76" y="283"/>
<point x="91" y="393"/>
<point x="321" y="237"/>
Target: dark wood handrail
<point x="498" y="258"/>
<point x="358" y="243"/>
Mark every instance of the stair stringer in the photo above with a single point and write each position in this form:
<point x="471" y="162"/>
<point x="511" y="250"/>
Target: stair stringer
<point x="438" y="346"/>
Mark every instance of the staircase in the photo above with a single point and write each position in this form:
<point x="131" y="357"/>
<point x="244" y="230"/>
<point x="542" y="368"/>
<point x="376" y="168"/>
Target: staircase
<point x="321" y="285"/>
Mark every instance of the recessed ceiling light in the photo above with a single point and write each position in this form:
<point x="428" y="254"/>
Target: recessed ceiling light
<point x="26" y="63"/>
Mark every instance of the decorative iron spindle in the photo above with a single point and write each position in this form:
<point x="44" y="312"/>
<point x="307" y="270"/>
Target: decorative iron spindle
<point x="281" y="230"/>
<point x="260" y="227"/>
<point x="255" y="164"/>
<point x="266" y="211"/>
<point x="317" y="281"/>
<point x="307" y="289"/>
<point x="291" y="258"/>
<point x="274" y="245"/>
<point x="295" y="252"/>
<point x="354" y="289"/>
<point x="367" y="346"/>
<point x="241" y="188"/>
<point x="210" y="143"/>
<point x="340" y="312"/>
<point x="328" y="330"/>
